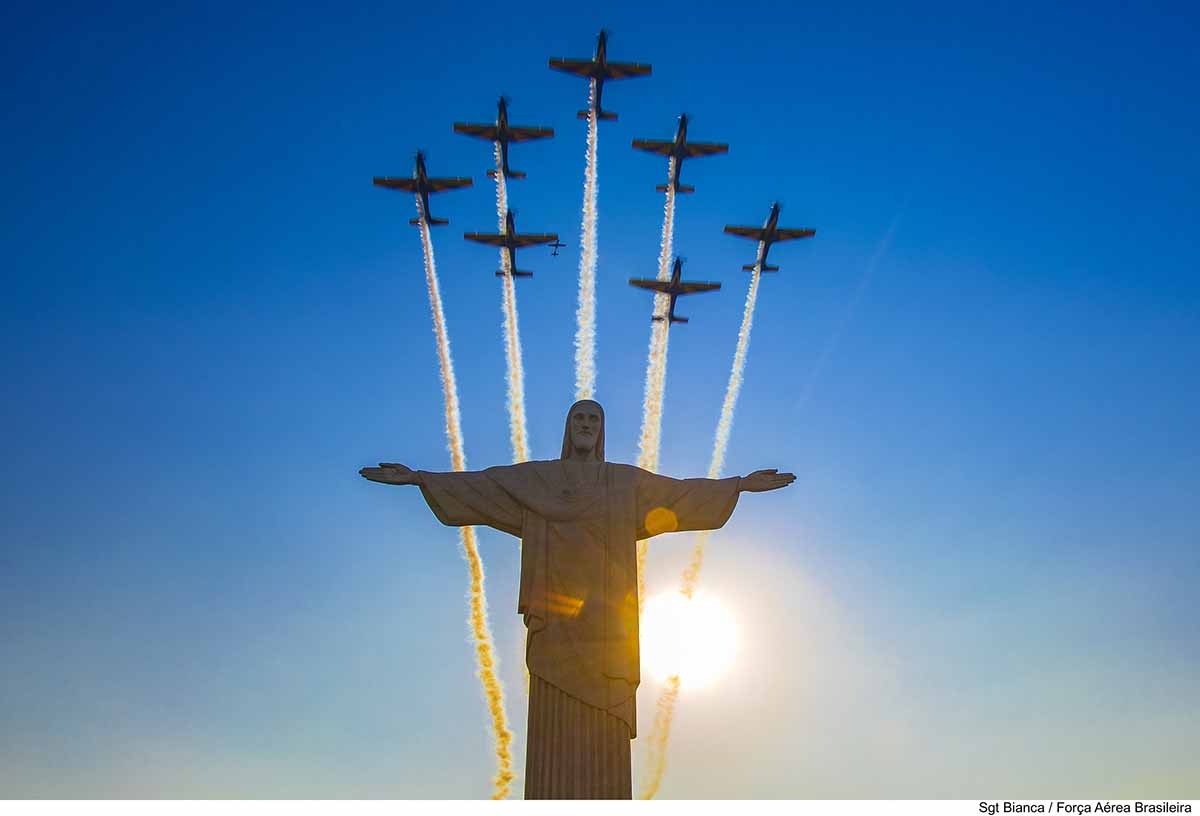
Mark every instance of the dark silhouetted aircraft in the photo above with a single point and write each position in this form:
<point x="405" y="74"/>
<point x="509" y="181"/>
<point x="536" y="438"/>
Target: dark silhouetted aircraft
<point x="768" y="234"/>
<point x="679" y="150"/>
<point x="599" y="69"/>
<point x="557" y="246"/>
<point x="511" y="241"/>
<point x="502" y="133"/>
<point x="422" y="185"/>
<point x="674" y="287"/>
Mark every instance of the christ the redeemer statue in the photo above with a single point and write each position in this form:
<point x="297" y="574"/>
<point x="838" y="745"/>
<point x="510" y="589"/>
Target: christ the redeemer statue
<point x="579" y="518"/>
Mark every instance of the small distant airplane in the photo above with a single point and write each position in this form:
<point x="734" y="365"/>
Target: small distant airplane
<point x="599" y="69"/>
<point x="679" y="150"/>
<point x="502" y="133"/>
<point x="511" y="241"/>
<point x="674" y="287"/>
<point x="557" y="246"/>
<point x="422" y="185"/>
<point x="768" y="234"/>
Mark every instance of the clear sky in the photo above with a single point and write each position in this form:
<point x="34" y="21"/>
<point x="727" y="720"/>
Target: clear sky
<point x="983" y="371"/>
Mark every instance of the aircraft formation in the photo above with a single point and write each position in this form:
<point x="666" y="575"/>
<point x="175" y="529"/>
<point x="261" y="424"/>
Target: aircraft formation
<point x="597" y="70"/>
<point x="668" y="286"/>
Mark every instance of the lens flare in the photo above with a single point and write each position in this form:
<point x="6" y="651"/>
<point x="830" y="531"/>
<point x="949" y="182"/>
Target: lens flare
<point x="694" y="639"/>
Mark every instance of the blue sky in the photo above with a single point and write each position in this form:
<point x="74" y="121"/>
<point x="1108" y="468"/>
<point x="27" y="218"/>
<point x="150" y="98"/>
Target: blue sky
<point x="982" y="371"/>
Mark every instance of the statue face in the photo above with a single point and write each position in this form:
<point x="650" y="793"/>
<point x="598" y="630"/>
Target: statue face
<point x="585" y="427"/>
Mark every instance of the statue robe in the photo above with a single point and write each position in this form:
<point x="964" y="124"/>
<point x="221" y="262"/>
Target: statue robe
<point x="579" y="524"/>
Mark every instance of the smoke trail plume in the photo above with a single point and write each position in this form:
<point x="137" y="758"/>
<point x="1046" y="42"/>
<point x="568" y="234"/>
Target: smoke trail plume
<point x="691" y="575"/>
<point x="656" y="361"/>
<point x="512" y="346"/>
<point x="512" y="332"/>
<point x="664" y="713"/>
<point x="725" y="424"/>
<point x="485" y="659"/>
<point x="585" y="314"/>
<point x="650" y="441"/>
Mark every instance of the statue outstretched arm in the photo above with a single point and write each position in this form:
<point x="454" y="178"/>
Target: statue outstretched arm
<point x="676" y="505"/>
<point x="458" y="498"/>
<point x="391" y="473"/>
<point x="760" y="481"/>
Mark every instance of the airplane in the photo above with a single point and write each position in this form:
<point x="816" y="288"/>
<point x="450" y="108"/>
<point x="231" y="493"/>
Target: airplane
<point x="511" y="241"/>
<point x="679" y="150"/>
<point x="502" y="133"/>
<point x="557" y="246"/>
<point x="599" y="69"/>
<point x="674" y="287"/>
<point x="768" y="234"/>
<point x="422" y="185"/>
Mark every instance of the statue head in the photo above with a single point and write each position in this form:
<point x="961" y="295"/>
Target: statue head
<point x="583" y="437"/>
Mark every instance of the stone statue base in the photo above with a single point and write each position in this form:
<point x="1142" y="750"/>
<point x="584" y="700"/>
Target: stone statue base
<point x="575" y="751"/>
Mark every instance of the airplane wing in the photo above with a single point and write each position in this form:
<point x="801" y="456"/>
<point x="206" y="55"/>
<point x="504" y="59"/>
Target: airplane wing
<point x="625" y="70"/>
<point x="693" y="149"/>
<point x="489" y="238"/>
<point x="658" y="148"/>
<point x="581" y="68"/>
<point x="695" y="287"/>
<point x="525" y="134"/>
<point x="408" y="185"/>
<point x="478" y="131"/>
<point x="793" y="234"/>
<point x="656" y="285"/>
<point x="533" y="239"/>
<point x="436" y="185"/>
<point x="753" y="233"/>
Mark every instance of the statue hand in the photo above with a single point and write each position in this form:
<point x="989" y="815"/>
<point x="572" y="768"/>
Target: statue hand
<point x="390" y="473"/>
<point x="761" y="481"/>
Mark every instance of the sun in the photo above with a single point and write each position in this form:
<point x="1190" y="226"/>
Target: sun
<point x="695" y="639"/>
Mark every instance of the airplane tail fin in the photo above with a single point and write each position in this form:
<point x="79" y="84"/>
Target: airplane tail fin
<point x="602" y="115"/>
<point x="433" y="222"/>
<point x="750" y="268"/>
<point x="516" y="273"/>
<point x="517" y="174"/>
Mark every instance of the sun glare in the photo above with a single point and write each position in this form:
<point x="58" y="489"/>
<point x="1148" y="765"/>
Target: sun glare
<point x="696" y="638"/>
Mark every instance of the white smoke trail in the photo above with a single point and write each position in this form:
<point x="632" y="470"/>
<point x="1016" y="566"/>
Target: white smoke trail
<point x="512" y="345"/>
<point x="485" y="658"/>
<point x="691" y="575"/>
<point x="664" y="713"/>
<point x="512" y="332"/>
<point x="656" y="362"/>
<point x="725" y="424"/>
<point x="734" y="388"/>
<point x="585" y="314"/>
<point x="650" y="441"/>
